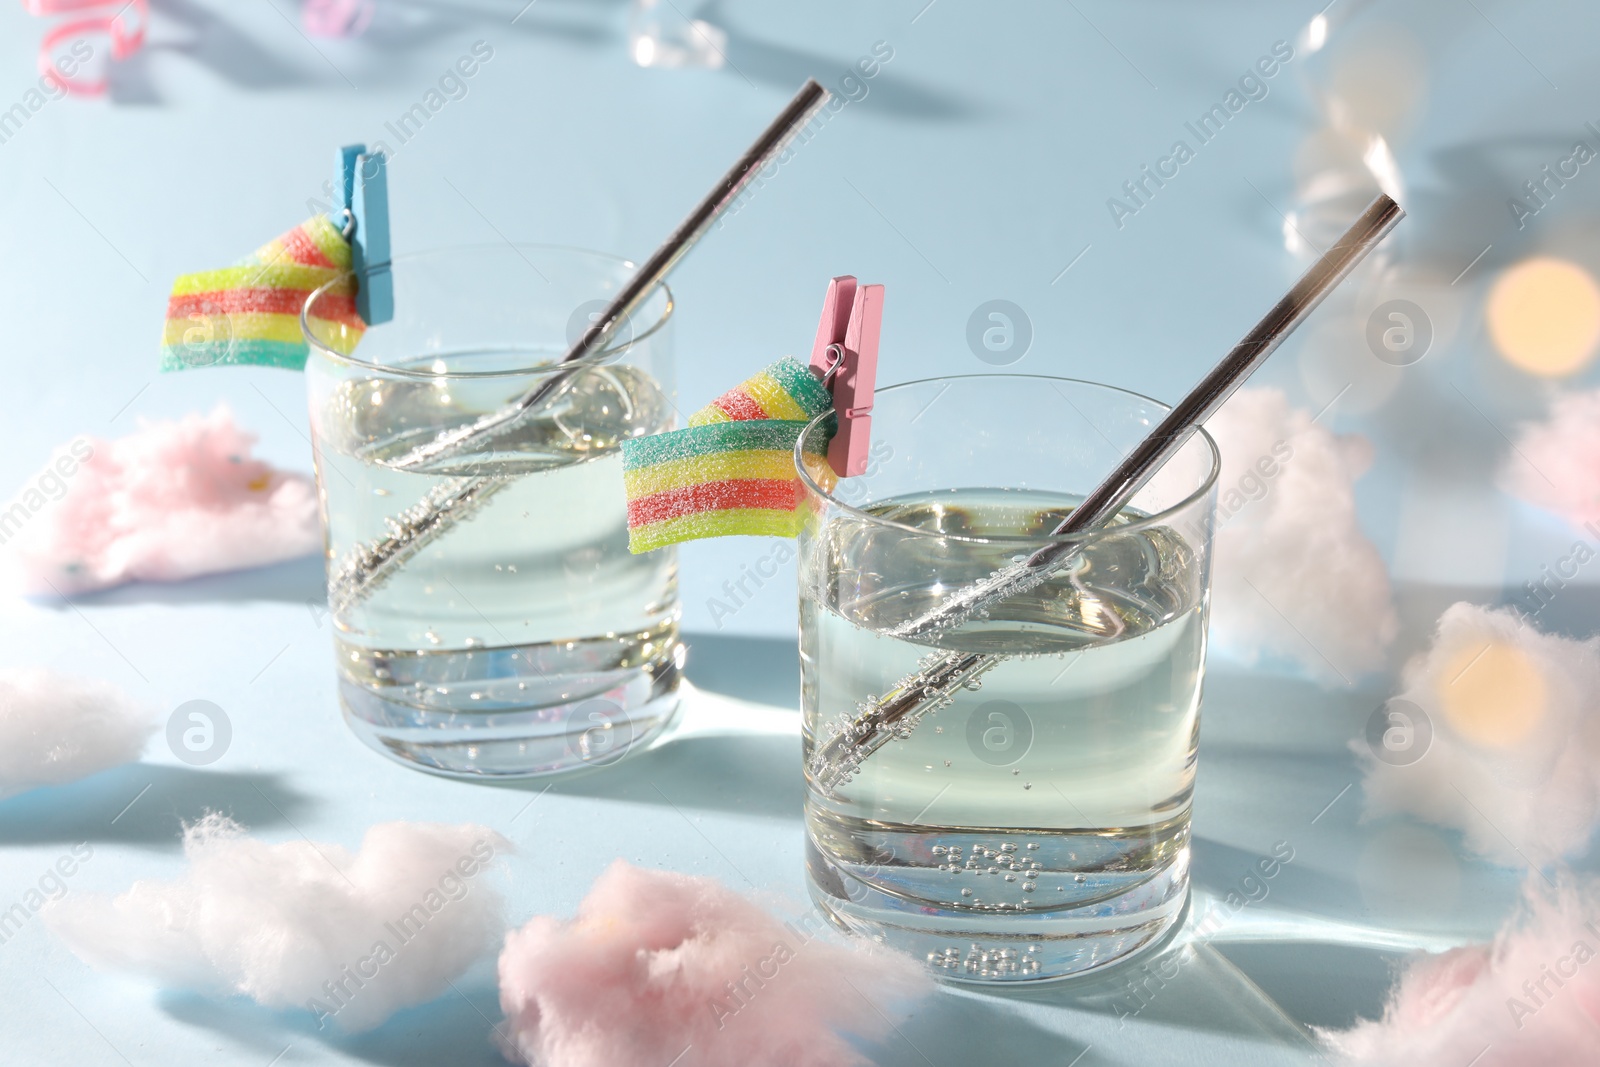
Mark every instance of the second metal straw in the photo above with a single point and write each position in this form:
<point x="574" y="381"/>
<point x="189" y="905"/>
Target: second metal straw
<point x="940" y="675"/>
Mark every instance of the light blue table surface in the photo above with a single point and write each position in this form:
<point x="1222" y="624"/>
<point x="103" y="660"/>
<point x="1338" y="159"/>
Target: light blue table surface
<point x="977" y="167"/>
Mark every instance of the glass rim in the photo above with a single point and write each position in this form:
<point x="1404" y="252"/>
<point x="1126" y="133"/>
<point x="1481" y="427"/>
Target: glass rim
<point x="1163" y="517"/>
<point x="601" y="358"/>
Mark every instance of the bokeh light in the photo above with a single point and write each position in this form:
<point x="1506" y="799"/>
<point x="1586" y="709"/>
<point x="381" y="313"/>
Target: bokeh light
<point x="1494" y="696"/>
<point x="1544" y="316"/>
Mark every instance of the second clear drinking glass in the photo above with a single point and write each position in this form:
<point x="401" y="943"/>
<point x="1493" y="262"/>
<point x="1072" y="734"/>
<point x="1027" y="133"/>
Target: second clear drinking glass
<point x="1036" y="826"/>
<point x="522" y="638"/>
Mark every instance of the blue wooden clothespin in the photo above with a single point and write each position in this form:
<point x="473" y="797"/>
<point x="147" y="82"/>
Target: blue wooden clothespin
<point x="362" y="184"/>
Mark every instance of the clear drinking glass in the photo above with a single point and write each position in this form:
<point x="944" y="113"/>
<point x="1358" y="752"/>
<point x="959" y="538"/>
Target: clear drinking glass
<point x="520" y="637"/>
<point x="1038" y="825"/>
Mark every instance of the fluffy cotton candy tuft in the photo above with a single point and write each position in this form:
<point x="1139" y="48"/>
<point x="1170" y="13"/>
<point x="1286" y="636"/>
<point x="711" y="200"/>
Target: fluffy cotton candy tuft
<point x="351" y="939"/>
<point x="55" y="728"/>
<point x="172" y="501"/>
<point x="1556" y="463"/>
<point x="1294" y="575"/>
<point x="337" y="18"/>
<point x="1514" y="755"/>
<point x="659" y="965"/>
<point x="1530" y="999"/>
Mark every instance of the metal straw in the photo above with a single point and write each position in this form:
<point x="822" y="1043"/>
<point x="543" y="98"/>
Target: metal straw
<point x="788" y="123"/>
<point x="369" y="565"/>
<point x="933" y="685"/>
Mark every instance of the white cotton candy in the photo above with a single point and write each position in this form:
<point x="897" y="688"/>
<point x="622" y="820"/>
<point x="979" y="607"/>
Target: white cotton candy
<point x="1514" y="756"/>
<point x="1529" y="999"/>
<point x="1556" y="463"/>
<point x="300" y="925"/>
<point x="1294" y="575"/>
<point x="55" y="728"/>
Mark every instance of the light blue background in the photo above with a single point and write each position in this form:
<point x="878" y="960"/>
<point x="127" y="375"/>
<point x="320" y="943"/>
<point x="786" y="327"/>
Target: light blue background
<point x="977" y="167"/>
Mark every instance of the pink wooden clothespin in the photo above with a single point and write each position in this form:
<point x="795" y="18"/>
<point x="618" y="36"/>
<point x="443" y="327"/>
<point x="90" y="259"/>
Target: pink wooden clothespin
<point x="845" y="355"/>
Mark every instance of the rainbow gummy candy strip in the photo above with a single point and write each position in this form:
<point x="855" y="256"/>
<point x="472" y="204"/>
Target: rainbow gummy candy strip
<point x="731" y="471"/>
<point x="250" y="312"/>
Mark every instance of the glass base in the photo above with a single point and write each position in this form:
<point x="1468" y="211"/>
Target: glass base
<point x="984" y="946"/>
<point x="508" y="713"/>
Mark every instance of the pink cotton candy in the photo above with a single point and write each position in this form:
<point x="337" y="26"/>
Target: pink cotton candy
<point x="1556" y="463"/>
<point x="171" y="501"/>
<point x="1529" y="999"/>
<point x="337" y="18"/>
<point x="661" y="968"/>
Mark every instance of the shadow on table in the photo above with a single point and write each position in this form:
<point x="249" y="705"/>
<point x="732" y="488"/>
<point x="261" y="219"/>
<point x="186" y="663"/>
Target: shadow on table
<point x="400" y="25"/>
<point x="758" y="775"/>
<point x="1316" y="984"/>
<point x="401" y="29"/>
<point x="763" y="669"/>
<point x="301" y="581"/>
<point x="216" y="43"/>
<point x="970" y="1028"/>
<point x="456" y="1029"/>
<point x="755" y="773"/>
<point x="143" y="804"/>
<point x="1328" y="983"/>
<point x="1320" y="937"/>
<point x="406" y="30"/>
<point x="784" y="67"/>
<point x="1178" y="986"/>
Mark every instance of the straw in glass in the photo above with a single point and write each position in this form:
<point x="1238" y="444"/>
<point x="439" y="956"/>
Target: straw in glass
<point x="939" y="675"/>
<point x="368" y="566"/>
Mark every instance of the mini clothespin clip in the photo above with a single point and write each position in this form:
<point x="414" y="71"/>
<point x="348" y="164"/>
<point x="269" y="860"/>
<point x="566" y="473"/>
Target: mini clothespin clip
<point x="845" y="356"/>
<point x="362" y="185"/>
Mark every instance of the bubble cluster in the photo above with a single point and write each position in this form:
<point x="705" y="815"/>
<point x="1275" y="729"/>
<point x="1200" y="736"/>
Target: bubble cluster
<point x="976" y="961"/>
<point x="985" y="861"/>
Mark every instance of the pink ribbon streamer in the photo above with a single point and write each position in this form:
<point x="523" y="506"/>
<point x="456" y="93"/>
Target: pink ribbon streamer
<point x="125" y="27"/>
